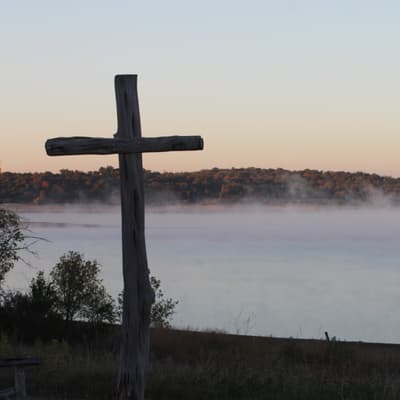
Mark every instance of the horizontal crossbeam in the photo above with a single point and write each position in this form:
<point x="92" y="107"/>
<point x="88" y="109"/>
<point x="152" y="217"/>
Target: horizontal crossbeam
<point x="87" y="145"/>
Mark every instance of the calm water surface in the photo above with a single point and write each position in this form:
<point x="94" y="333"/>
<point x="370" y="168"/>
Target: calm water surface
<point x="253" y="270"/>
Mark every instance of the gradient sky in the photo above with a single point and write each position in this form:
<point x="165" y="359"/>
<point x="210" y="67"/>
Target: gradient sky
<point x="284" y="83"/>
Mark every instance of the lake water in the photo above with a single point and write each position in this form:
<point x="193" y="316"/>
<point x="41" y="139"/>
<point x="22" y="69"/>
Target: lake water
<point x="278" y="271"/>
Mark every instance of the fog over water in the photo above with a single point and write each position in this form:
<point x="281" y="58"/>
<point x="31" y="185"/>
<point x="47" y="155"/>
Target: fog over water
<point x="281" y="271"/>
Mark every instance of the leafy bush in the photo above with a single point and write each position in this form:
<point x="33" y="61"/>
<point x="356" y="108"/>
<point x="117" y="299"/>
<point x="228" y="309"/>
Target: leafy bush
<point x="31" y="315"/>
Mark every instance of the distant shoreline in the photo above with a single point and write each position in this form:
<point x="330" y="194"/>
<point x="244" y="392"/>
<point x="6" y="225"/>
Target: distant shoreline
<point x="255" y="186"/>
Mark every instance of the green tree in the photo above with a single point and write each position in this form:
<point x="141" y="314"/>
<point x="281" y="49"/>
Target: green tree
<point x="80" y="293"/>
<point x="12" y="239"/>
<point x="43" y="297"/>
<point x="100" y="307"/>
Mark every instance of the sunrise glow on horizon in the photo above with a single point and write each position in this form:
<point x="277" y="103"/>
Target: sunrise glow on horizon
<point x="291" y="84"/>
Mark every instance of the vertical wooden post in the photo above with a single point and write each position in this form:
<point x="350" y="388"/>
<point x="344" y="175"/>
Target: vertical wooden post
<point x="19" y="381"/>
<point x="138" y="294"/>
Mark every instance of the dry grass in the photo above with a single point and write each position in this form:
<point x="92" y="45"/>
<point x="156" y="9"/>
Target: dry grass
<point x="196" y="365"/>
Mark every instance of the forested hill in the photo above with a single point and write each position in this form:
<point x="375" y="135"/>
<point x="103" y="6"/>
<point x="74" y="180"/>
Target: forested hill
<point x="215" y="185"/>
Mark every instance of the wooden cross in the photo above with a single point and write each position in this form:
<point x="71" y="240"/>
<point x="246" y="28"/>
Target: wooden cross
<point x="138" y="294"/>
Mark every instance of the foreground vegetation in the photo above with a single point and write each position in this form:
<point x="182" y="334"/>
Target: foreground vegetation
<point x="205" y="186"/>
<point x="196" y="365"/>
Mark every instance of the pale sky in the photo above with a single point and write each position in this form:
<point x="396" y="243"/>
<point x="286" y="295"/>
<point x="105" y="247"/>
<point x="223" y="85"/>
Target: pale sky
<point x="284" y="83"/>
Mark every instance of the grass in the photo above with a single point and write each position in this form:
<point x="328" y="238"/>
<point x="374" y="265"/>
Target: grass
<point x="207" y="365"/>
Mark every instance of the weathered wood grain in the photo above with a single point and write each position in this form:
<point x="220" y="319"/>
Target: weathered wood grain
<point x="87" y="145"/>
<point x="138" y="293"/>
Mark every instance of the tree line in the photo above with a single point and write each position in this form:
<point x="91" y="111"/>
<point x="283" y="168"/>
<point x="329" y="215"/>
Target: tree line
<point x="205" y="186"/>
